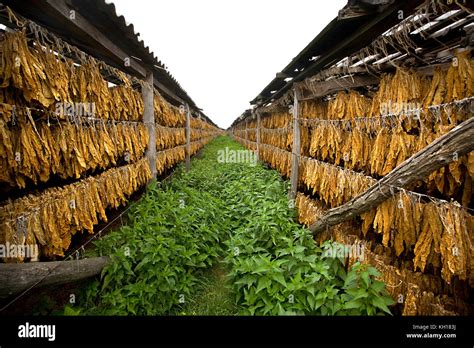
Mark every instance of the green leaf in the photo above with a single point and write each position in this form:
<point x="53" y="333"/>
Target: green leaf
<point x="377" y="286"/>
<point x="352" y="304"/>
<point x="312" y="301"/>
<point x="279" y="278"/>
<point x="361" y="293"/>
<point x="106" y="281"/>
<point x="380" y="303"/>
<point x="263" y="282"/>
<point x="69" y="311"/>
<point x="365" y="279"/>
<point x="373" y="271"/>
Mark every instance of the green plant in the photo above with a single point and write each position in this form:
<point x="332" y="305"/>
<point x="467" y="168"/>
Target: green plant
<point x="72" y="312"/>
<point x="363" y="293"/>
<point x="237" y="212"/>
<point x="156" y="259"/>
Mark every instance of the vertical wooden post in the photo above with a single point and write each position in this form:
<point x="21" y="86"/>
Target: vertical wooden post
<point x="188" y="138"/>
<point x="295" y="149"/>
<point x="258" y="135"/>
<point x="149" y="120"/>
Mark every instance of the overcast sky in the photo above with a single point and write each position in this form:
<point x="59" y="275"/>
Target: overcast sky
<point x="224" y="52"/>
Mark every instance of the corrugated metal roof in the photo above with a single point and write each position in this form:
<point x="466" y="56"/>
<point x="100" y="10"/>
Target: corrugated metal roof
<point x="103" y="16"/>
<point x="423" y="24"/>
<point x="358" y="23"/>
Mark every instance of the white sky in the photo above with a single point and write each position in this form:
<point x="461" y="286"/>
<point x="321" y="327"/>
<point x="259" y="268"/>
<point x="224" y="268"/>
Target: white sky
<point x="223" y="53"/>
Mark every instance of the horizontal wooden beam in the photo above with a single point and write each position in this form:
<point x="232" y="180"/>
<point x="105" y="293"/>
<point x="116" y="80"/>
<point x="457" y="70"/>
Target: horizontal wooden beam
<point x="162" y="88"/>
<point x="337" y="83"/>
<point x="439" y="153"/>
<point x="336" y="71"/>
<point x="428" y="70"/>
<point x="17" y="277"/>
<point x="347" y="45"/>
<point x="82" y="24"/>
<point x="322" y="88"/>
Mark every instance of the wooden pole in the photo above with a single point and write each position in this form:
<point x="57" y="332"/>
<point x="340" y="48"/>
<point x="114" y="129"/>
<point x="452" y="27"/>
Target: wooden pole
<point x="17" y="277"/>
<point x="447" y="148"/>
<point x="258" y="135"/>
<point x="149" y="120"/>
<point x="188" y="138"/>
<point x="295" y="148"/>
<point x="246" y="130"/>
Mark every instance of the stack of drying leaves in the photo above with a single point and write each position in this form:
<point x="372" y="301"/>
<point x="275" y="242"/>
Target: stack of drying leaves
<point x="332" y="184"/>
<point x="198" y="123"/>
<point x="437" y="233"/>
<point x="412" y="289"/>
<point x="276" y="120"/>
<point x="34" y="76"/>
<point x="276" y="158"/>
<point x="50" y="218"/>
<point x="397" y="93"/>
<point x="197" y="134"/>
<point x="41" y="139"/>
<point x="35" y="152"/>
<point x="380" y="154"/>
<point x="281" y="138"/>
<point x="252" y="134"/>
<point x="168" y="115"/>
<point x="167" y="138"/>
<point x="168" y="158"/>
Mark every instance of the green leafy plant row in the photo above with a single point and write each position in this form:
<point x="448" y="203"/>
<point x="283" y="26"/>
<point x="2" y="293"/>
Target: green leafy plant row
<point x="237" y="212"/>
<point x="276" y="266"/>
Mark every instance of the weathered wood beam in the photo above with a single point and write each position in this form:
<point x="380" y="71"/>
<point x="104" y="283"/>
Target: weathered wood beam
<point x="149" y="120"/>
<point x="346" y="45"/>
<point x="18" y="277"/>
<point x="188" y="138"/>
<point x="80" y="23"/>
<point x="336" y="71"/>
<point x="322" y="88"/>
<point x="162" y="88"/>
<point x="295" y="155"/>
<point x="439" y="153"/>
<point x="344" y="83"/>
<point x="258" y="134"/>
